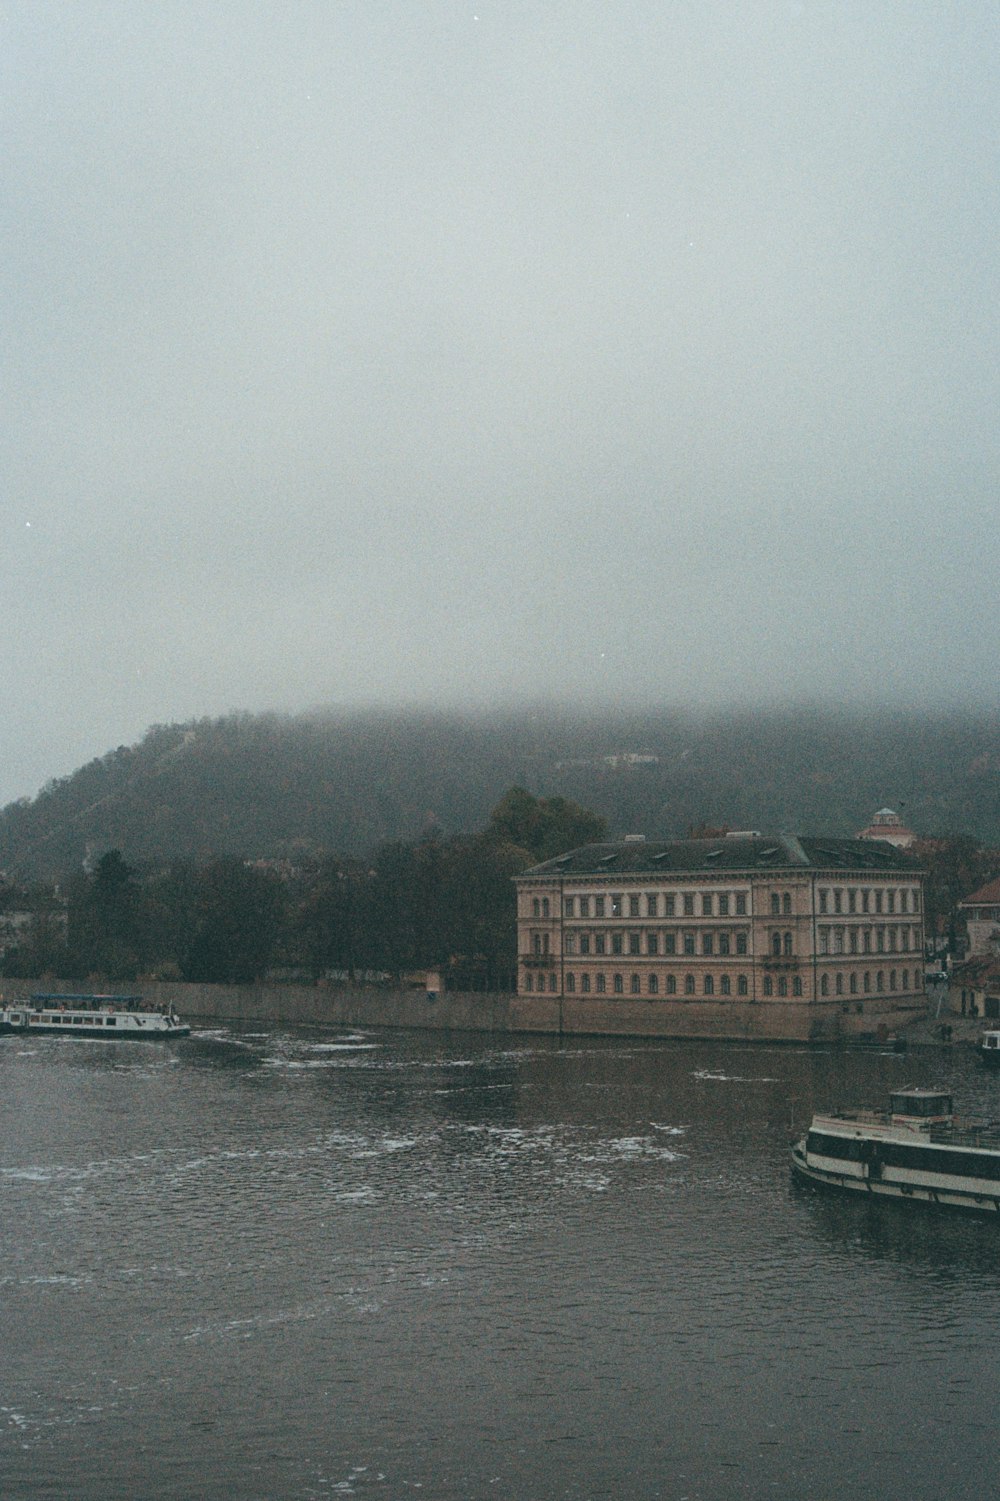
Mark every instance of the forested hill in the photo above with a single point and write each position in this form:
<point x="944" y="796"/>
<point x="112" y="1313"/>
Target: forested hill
<point x="342" y="783"/>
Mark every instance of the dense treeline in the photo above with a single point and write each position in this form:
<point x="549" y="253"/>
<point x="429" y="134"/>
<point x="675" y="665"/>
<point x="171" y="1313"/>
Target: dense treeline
<point x="305" y="787"/>
<point x="433" y="902"/>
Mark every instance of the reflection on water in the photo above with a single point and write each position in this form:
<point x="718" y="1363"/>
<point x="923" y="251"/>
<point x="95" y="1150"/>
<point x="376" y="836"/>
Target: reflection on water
<point x="275" y="1264"/>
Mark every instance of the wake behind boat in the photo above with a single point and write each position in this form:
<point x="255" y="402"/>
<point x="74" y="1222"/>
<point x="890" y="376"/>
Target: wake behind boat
<point x="111" y="1016"/>
<point x="917" y="1149"/>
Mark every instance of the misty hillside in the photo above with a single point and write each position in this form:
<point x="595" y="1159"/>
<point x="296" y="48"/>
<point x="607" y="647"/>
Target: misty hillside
<point x="267" y="785"/>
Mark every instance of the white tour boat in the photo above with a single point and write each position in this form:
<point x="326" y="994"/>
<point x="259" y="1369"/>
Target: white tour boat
<point x="90" y="1016"/>
<point x="917" y="1149"/>
<point x="989" y="1049"/>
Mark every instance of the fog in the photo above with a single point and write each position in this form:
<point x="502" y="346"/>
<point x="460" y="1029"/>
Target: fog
<point x="368" y="352"/>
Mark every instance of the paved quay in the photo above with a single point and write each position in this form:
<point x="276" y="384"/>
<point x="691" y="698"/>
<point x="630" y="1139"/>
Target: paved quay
<point x="927" y="1030"/>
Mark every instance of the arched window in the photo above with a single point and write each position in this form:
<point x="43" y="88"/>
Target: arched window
<point x="709" y="985"/>
<point x="786" y="903"/>
<point x="619" y="985"/>
<point x="776" y="945"/>
<point x="768" y="985"/>
<point x="545" y="906"/>
<point x="689" y="984"/>
<point x="880" y="981"/>
<point x="906" y="979"/>
<point x="892" y="979"/>
<point x="824" y="985"/>
<point x="775" y="904"/>
<point x="654" y="984"/>
<point x="536" y="907"/>
<point x="797" y="985"/>
<point x="725" y="985"/>
<point x="529" y="982"/>
<point x="671" y="985"/>
<point x="636" y="985"/>
<point x="742" y="988"/>
<point x="788" y="943"/>
<point x="854" y="985"/>
<point x="840" y="985"/>
<point x="600" y="985"/>
<point x="585" y="982"/>
<point x="570" y="983"/>
<point x="782" y="985"/>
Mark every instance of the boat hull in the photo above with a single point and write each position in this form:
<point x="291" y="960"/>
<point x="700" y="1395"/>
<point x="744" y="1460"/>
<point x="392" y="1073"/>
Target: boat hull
<point x="882" y="1187"/>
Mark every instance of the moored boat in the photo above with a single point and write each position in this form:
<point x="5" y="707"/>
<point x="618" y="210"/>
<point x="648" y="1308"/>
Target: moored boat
<point x="917" y="1149"/>
<point x="111" y="1016"/>
<point x="989" y="1049"/>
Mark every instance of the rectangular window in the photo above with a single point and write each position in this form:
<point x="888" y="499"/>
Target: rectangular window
<point x="723" y="903"/>
<point x="569" y="905"/>
<point x="584" y="943"/>
<point x="585" y="906"/>
<point x="652" y="905"/>
<point x="635" y="943"/>
<point x="741" y="943"/>
<point x="569" y="943"/>
<point x="616" y="904"/>
<point x="689" y="904"/>
<point x="723" y="943"/>
<point x="878" y="901"/>
<point x="598" y="906"/>
<point x="633" y="906"/>
<point x="708" y="943"/>
<point x="854" y="940"/>
<point x="741" y="904"/>
<point x="890" y="901"/>
<point x="669" y="943"/>
<point x="706" y="904"/>
<point x="570" y="983"/>
<point x="823" y="902"/>
<point x="652" y="943"/>
<point x="837" y="900"/>
<point x="616" y="943"/>
<point x="866" y="900"/>
<point x="824" y="940"/>
<point x="670" y="905"/>
<point x="852" y="900"/>
<point x="599" y="943"/>
<point x="689" y="943"/>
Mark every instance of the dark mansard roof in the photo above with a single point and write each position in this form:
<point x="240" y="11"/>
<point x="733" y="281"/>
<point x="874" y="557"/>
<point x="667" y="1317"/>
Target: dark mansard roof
<point x="750" y="853"/>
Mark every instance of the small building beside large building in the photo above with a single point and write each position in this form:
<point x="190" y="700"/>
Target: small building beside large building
<point x="744" y="935"/>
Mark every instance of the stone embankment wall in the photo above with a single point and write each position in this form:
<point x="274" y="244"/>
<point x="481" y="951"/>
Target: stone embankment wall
<point x="340" y="1006"/>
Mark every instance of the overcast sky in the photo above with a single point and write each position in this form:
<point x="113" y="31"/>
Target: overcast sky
<point x="446" y="352"/>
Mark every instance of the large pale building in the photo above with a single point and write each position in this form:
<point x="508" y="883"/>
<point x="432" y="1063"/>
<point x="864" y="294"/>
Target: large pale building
<point x="741" y="935"/>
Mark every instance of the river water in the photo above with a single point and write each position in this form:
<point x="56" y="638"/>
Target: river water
<point x="296" y="1265"/>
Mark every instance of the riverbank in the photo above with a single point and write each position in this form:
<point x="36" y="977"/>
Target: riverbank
<point x="456" y="1011"/>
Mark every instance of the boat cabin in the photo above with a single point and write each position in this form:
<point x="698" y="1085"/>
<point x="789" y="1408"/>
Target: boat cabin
<point x="921" y="1108"/>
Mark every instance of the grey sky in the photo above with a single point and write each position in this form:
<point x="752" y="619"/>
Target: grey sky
<point x="447" y="352"/>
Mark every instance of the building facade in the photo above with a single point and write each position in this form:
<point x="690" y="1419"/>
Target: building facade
<point x="981" y="911"/>
<point x="823" y="928"/>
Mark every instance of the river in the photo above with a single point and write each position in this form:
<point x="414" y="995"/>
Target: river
<point x="286" y="1264"/>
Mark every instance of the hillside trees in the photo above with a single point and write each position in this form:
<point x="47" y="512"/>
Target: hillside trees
<point x="433" y="902"/>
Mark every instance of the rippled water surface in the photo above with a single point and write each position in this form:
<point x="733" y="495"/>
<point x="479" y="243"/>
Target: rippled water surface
<point x="293" y="1265"/>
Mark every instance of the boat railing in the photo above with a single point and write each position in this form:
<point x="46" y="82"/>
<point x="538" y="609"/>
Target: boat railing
<point x="969" y="1133"/>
